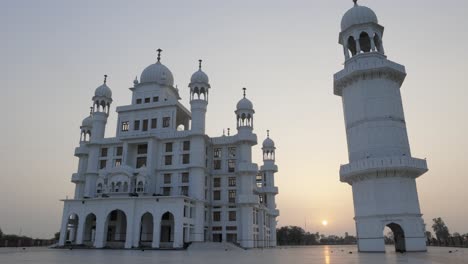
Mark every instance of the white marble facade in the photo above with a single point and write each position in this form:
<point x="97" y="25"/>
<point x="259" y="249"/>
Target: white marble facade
<point x="381" y="170"/>
<point x="161" y="181"/>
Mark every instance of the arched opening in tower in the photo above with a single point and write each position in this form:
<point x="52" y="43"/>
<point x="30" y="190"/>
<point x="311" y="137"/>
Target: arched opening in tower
<point x="394" y="235"/>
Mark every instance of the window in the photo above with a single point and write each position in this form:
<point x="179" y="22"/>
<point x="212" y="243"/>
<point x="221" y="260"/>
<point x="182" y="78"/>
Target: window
<point x="140" y="162"/>
<point x="260" y="198"/>
<point x="232" y="215"/>
<point x="118" y="151"/>
<point x="166" y="191"/>
<point x="217" y="164"/>
<point x="184" y="190"/>
<point x="99" y="188"/>
<point x="185" y="158"/>
<point x="169" y="147"/>
<point x="216" y="182"/>
<point x="231" y="165"/>
<point x="167" y="178"/>
<point x="186" y="145"/>
<point x="217" y="195"/>
<point x="166" y="121"/>
<point x="145" y="125"/>
<point x="216" y="216"/>
<point x="154" y="123"/>
<point x="217" y="153"/>
<point x="138" y="101"/>
<point x="168" y="160"/>
<point x="217" y="228"/>
<point x="232" y="152"/>
<point x="155" y="98"/>
<point x="140" y="187"/>
<point x="117" y="162"/>
<point x="232" y="196"/>
<point x="136" y="125"/>
<point x="124" y="126"/>
<point x="142" y="149"/>
<point x="102" y="164"/>
<point x="231" y="228"/>
<point x="147" y="100"/>
<point x="232" y="181"/>
<point x="104" y="152"/>
<point x="185" y="177"/>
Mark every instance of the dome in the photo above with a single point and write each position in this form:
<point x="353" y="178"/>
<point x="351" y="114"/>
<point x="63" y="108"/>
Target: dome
<point x="199" y="77"/>
<point x="103" y="91"/>
<point x="87" y="122"/>
<point x="268" y="143"/>
<point x="244" y="104"/>
<point x="358" y="15"/>
<point x="157" y="73"/>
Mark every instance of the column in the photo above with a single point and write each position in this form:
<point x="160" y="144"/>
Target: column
<point x="80" y="231"/>
<point x="156" y="230"/>
<point x="178" y="232"/>
<point x="100" y="235"/>
<point x="63" y="229"/>
<point x="358" y="46"/>
<point x="129" y="231"/>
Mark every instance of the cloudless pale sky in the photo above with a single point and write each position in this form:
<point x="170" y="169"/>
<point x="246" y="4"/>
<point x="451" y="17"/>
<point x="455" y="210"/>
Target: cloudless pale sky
<point x="53" y="54"/>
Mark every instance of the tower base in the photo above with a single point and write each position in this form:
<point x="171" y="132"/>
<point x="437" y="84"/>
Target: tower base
<point x="408" y="233"/>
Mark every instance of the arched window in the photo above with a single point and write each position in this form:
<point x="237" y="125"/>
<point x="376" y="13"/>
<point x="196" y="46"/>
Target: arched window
<point x="99" y="188"/>
<point x="140" y="187"/>
<point x="364" y="42"/>
<point x="118" y="187"/>
<point x="352" y="45"/>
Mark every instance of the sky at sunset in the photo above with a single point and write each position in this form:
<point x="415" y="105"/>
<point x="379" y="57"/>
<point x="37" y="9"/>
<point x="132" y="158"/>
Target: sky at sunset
<point x="55" y="53"/>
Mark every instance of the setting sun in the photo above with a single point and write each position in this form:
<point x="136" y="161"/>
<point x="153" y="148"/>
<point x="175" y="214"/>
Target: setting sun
<point x="324" y="222"/>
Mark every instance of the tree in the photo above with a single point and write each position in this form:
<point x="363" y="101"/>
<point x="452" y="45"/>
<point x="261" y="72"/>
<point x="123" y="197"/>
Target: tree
<point x="440" y="229"/>
<point x="1" y="233"/>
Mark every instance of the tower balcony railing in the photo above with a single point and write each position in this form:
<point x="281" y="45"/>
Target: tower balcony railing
<point x="247" y="167"/>
<point x="77" y="177"/>
<point x="417" y="166"/>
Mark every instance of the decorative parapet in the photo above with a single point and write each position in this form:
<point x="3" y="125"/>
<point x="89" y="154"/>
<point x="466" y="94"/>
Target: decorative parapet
<point x="82" y="150"/>
<point x="367" y="66"/>
<point x="349" y="171"/>
<point x="274" y="212"/>
<point x="269" y="167"/>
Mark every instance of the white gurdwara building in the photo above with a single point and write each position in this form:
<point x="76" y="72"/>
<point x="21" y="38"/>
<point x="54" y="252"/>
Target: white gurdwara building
<point x="161" y="181"/>
<point x="381" y="170"/>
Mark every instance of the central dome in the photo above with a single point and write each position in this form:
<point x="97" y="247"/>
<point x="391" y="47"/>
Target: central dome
<point x="358" y="15"/>
<point x="157" y="73"/>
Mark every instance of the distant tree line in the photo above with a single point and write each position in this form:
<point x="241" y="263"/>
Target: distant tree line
<point x="295" y="235"/>
<point x="23" y="241"/>
<point x="443" y="238"/>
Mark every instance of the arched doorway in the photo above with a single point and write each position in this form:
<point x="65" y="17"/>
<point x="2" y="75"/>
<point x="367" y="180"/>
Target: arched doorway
<point x="89" y="229"/>
<point x="167" y="230"/>
<point x="146" y="230"/>
<point x="398" y="236"/>
<point x="72" y="228"/>
<point x="116" y="229"/>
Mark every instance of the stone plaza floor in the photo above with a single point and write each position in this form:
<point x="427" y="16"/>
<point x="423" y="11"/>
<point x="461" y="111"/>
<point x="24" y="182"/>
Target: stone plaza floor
<point x="280" y="255"/>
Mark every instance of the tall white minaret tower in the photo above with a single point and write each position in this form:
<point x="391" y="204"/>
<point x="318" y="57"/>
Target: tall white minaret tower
<point x="199" y="88"/>
<point x="269" y="189"/>
<point x="246" y="170"/>
<point x="381" y="170"/>
<point x="102" y="100"/>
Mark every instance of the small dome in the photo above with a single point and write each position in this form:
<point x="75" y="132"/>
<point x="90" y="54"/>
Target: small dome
<point x="157" y="73"/>
<point x="244" y="104"/>
<point x="199" y="77"/>
<point x="103" y="91"/>
<point x="87" y="122"/>
<point x="358" y="15"/>
<point x="268" y="143"/>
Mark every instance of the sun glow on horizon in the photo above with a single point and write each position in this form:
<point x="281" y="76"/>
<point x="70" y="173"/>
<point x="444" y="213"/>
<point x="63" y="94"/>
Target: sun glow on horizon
<point x="324" y="222"/>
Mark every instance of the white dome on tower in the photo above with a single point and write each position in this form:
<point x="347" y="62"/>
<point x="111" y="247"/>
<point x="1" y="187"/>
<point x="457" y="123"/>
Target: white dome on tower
<point x="87" y="122"/>
<point x="268" y="143"/>
<point x="244" y="104"/>
<point x="157" y="73"/>
<point x="199" y="77"/>
<point x="358" y="15"/>
<point x="103" y="91"/>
